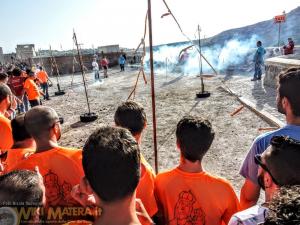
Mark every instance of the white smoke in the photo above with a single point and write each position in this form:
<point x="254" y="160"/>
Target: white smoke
<point x="234" y="52"/>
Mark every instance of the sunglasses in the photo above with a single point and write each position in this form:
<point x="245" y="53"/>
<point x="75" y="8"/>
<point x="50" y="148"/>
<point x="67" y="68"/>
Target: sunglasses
<point x="258" y="161"/>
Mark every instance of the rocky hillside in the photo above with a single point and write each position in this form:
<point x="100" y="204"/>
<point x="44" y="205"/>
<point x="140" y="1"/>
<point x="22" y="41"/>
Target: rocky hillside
<point x="267" y="31"/>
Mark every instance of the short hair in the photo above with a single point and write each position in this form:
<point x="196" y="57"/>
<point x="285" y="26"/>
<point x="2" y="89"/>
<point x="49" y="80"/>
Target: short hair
<point x="259" y="43"/>
<point x="21" y="186"/>
<point x="194" y="136"/>
<point x="4" y="92"/>
<point x="284" y="207"/>
<point x="111" y="163"/>
<point x="17" y="72"/>
<point x="131" y="115"/>
<point x="39" y="120"/>
<point x="3" y="76"/>
<point x="288" y="86"/>
<point x="19" y="131"/>
<point x="282" y="160"/>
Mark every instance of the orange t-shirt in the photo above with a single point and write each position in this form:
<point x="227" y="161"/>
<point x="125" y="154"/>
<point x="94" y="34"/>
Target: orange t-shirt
<point x="61" y="169"/>
<point x="42" y="76"/>
<point x="145" y="188"/>
<point x="6" y="139"/>
<point x="31" y="89"/>
<point x="15" y="156"/>
<point x="194" y="198"/>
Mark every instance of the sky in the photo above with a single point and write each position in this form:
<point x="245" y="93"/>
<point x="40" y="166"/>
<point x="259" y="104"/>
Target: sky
<point x="106" y="22"/>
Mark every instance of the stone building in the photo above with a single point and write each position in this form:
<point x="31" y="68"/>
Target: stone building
<point x="25" y="51"/>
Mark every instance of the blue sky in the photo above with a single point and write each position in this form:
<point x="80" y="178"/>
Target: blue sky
<point x="100" y="22"/>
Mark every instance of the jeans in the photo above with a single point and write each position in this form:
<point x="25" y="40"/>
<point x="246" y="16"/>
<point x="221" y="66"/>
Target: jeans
<point x="25" y="103"/>
<point x="258" y="70"/>
<point x="45" y="90"/>
<point x="97" y="74"/>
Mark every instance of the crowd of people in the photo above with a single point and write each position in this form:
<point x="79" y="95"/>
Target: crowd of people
<point x="109" y="181"/>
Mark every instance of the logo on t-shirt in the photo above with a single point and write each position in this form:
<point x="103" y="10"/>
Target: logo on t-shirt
<point x="187" y="210"/>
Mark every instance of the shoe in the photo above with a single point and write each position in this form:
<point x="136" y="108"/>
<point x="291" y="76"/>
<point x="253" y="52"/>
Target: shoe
<point x="254" y="79"/>
<point x="259" y="78"/>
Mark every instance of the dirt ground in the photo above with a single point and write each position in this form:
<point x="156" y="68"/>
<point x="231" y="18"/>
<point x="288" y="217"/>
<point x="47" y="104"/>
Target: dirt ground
<point x="175" y="97"/>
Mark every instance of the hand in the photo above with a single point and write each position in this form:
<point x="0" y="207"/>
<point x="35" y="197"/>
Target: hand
<point x="79" y="193"/>
<point x="13" y="102"/>
<point x="142" y="212"/>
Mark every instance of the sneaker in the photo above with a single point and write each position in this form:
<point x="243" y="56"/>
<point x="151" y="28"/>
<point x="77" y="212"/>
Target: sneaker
<point x="254" y="79"/>
<point x="259" y="78"/>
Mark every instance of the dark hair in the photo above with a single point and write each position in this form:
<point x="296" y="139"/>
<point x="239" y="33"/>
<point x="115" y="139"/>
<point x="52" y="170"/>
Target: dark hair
<point x="288" y="86"/>
<point x="132" y="116"/>
<point x="22" y="186"/>
<point x="285" y="207"/>
<point x="17" y="72"/>
<point x="4" y="92"/>
<point x="3" y="76"/>
<point x="19" y="131"/>
<point x="282" y="160"/>
<point x="259" y="43"/>
<point x="111" y="163"/>
<point x="194" y="136"/>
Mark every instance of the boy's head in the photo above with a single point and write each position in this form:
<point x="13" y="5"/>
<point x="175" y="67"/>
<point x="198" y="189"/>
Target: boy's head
<point x="132" y="116"/>
<point x="19" y="131"/>
<point x="111" y="163"/>
<point x="22" y="186"/>
<point x="285" y="207"/>
<point x="16" y="72"/>
<point x="194" y="137"/>
<point x="288" y="92"/>
<point x="3" y="78"/>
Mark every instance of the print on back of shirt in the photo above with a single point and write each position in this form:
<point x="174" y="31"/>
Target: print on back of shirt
<point x="187" y="210"/>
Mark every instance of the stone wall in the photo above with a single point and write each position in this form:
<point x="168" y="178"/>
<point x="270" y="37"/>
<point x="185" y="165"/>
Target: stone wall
<point x="65" y="63"/>
<point x="273" y="67"/>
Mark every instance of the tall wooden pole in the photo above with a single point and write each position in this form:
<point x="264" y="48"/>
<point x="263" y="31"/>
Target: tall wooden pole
<point x="82" y="71"/>
<point x="152" y="86"/>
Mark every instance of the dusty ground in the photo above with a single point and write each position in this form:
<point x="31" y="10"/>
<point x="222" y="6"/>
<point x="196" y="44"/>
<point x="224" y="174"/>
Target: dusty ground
<point x="175" y="97"/>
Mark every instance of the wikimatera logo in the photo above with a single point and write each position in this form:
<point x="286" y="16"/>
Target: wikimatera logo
<point x="16" y="215"/>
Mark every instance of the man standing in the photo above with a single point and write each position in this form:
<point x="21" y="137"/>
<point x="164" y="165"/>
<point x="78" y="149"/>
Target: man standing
<point x="96" y="69"/>
<point x="259" y="61"/>
<point x="289" y="48"/>
<point x="104" y="65"/>
<point x="288" y="103"/>
<point x="122" y="62"/>
<point x="43" y="78"/>
<point x="60" y="167"/>
<point x="32" y="90"/>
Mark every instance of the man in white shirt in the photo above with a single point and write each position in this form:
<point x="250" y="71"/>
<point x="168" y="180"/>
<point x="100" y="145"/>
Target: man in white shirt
<point x="96" y="69"/>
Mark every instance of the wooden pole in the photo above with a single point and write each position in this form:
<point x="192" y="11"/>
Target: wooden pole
<point x="152" y="86"/>
<point x="82" y="72"/>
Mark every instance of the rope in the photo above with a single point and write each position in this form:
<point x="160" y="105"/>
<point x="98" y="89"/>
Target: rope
<point x="141" y="70"/>
<point x="192" y="43"/>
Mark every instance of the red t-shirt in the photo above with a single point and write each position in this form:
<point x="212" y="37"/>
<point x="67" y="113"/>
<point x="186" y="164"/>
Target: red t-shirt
<point x="16" y="85"/>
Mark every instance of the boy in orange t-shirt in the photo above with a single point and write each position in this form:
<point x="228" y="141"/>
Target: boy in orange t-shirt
<point x="6" y="140"/>
<point x="32" y="90"/>
<point x="132" y="116"/>
<point x="60" y="167"/>
<point x="188" y="194"/>
<point x="43" y="79"/>
<point x="23" y="146"/>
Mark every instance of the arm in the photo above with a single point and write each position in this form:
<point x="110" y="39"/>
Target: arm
<point x="249" y="170"/>
<point x="249" y="194"/>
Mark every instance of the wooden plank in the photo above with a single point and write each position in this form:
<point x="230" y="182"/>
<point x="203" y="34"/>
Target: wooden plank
<point x="272" y="120"/>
